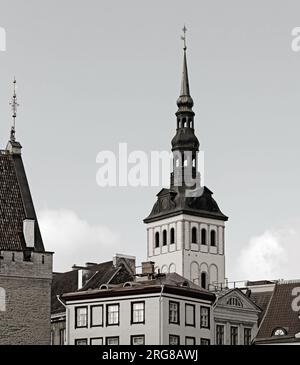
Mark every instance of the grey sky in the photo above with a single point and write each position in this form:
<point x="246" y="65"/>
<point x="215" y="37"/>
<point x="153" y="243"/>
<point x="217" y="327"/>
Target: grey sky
<point x="95" y="73"/>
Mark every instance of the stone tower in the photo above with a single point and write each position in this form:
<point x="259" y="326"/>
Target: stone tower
<point x="25" y="266"/>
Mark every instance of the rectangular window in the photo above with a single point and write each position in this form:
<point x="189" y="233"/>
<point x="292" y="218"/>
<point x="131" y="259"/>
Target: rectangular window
<point x="96" y="315"/>
<point x="138" y="312"/>
<point x="52" y="338"/>
<point x="190" y="341"/>
<point x="233" y="335"/>
<point x="219" y="334"/>
<point x="112" y="341"/>
<point x="81" y="341"/>
<point x="112" y="314"/>
<point x="138" y="340"/>
<point x="81" y="317"/>
<point x="174" y="340"/>
<point x="190" y="315"/>
<point x="205" y="341"/>
<point x="174" y="312"/>
<point x="96" y="341"/>
<point x="247" y="336"/>
<point x="204" y="317"/>
<point x="62" y="333"/>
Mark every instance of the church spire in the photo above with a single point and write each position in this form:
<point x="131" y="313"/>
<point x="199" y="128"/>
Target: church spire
<point x="185" y="101"/>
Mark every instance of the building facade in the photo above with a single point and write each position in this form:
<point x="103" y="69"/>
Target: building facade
<point x="161" y="310"/>
<point x="235" y="318"/>
<point x="81" y="278"/>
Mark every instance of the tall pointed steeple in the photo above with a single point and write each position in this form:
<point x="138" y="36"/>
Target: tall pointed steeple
<point x="185" y="101"/>
<point x="185" y="144"/>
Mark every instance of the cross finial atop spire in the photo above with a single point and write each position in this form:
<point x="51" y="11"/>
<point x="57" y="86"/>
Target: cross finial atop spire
<point x="183" y="37"/>
<point x="14" y="106"/>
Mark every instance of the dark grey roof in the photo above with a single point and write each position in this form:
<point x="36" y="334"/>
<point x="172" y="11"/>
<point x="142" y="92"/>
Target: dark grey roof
<point x="15" y="204"/>
<point x="97" y="275"/>
<point x="171" y="283"/>
<point x="172" y="203"/>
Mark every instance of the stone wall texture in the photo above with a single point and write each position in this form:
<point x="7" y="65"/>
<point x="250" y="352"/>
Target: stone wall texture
<point x="27" y="285"/>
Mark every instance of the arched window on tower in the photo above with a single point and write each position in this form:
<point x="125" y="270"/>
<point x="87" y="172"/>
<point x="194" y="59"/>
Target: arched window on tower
<point x="172" y="235"/>
<point x="204" y="280"/>
<point x="2" y="300"/>
<point x="194" y="235"/>
<point x="164" y="237"/>
<point x="213" y="238"/>
<point x="203" y="236"/>
<point x="156" y="239"/>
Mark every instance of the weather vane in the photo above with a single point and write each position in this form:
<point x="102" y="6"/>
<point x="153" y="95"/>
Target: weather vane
<point x="183" y="37"/>
<point x="14" y="106"/>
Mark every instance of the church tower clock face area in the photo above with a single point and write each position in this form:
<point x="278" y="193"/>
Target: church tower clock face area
<point x="186" y="232"/>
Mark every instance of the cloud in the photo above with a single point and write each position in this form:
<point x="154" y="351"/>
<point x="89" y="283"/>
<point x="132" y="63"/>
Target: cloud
<point x="275" y="254"/>
<point x="74" y="240"/>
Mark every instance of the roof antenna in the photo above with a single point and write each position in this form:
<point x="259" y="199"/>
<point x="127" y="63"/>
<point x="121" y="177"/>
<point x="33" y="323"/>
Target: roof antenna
<point x="14" y="106"/>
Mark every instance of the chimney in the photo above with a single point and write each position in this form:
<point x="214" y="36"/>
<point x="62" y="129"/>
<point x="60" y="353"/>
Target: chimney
<point x="79" y="279"/>
<point x="148" y="268"/>
<point x="28" y="231"/>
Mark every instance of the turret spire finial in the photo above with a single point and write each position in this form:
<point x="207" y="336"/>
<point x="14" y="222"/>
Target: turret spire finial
<point x="14" y="106"/>
<point x="183" y="37"/>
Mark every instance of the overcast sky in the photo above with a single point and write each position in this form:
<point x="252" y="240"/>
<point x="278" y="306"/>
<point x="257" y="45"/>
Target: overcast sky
<point x="96" y="73"/>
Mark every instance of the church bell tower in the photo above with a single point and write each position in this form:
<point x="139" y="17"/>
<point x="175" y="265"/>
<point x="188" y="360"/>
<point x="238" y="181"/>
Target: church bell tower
<point x="186" y="228"/>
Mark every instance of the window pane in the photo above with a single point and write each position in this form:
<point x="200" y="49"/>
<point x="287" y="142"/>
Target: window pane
<point x="112" y="341"/>
<point x="174" y="340"/>
<point x="204" y="317"/>
<point x="138" y="340"/>
<point x="173" y="312"/>
<point x="190" y="341"/>
<point x="81" y="317"/>
<point x="247" y="336"/>
<point x="205" y="341"/>
<point x="138" y="312"/>
<point x="190" y="315"/>
<point x="234" y="335"/>
<point x="82" y="341"/>
<point x="96" y="341"/>
<point x="113" y="314"/>
<point x="97" y="315"/>
<point x="220" y="334"/>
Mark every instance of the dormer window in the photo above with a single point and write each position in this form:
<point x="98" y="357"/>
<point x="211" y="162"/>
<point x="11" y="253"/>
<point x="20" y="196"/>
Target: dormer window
<point x="279" y="332"/>
<point x="235" y="302"/>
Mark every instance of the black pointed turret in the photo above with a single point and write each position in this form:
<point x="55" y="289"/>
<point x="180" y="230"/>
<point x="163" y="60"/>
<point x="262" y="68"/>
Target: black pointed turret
<point x="185" y="101"/>
<point x="185" y="139"/>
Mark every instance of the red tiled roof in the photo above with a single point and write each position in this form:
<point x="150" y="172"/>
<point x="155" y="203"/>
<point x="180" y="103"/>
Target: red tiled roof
<point x="280" y="313"/>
